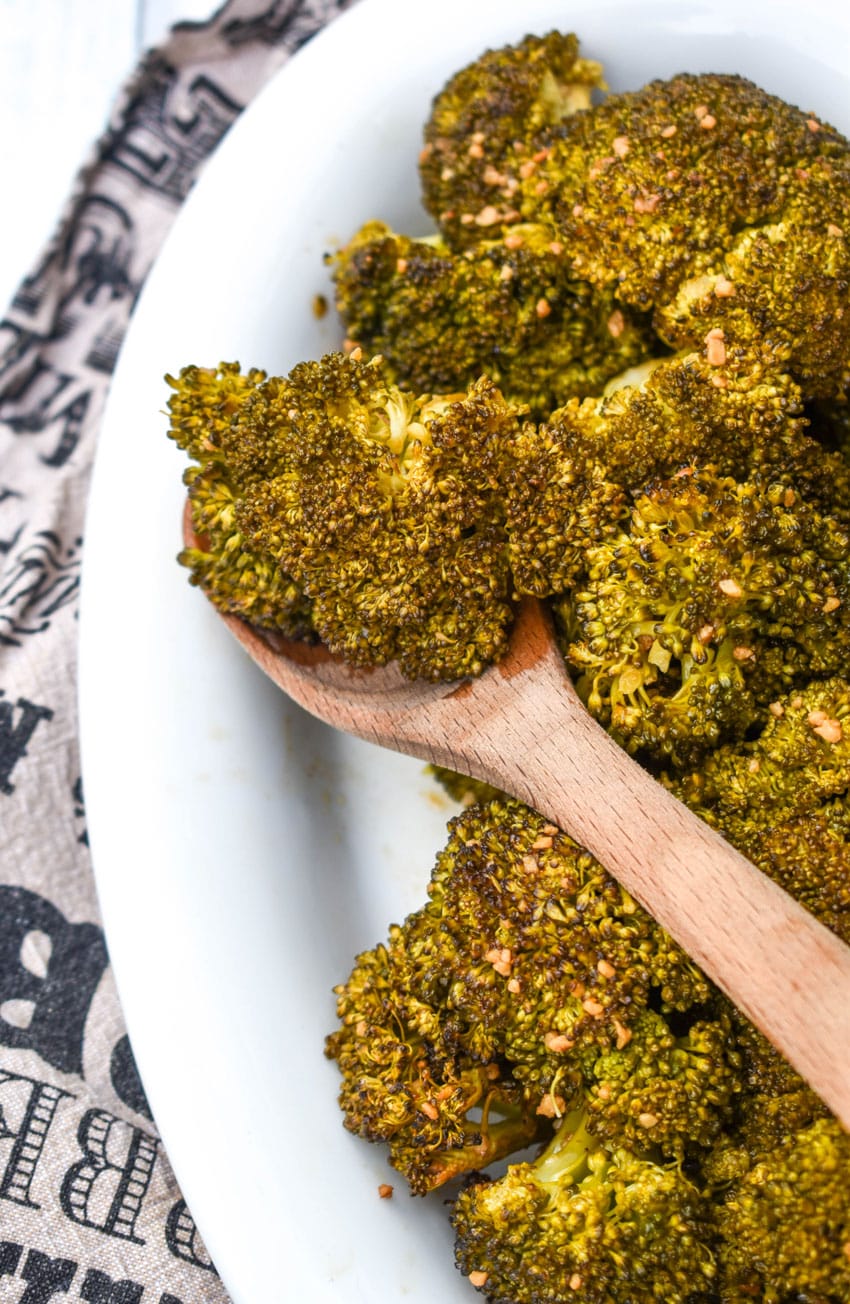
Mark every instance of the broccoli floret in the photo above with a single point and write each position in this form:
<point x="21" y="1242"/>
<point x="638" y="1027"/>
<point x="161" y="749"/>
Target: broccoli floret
<point x="529" y="977"/>
<point x="461" y="788"/>
<point x="774" y="1108"/>
<point x="570" y="479"/>
<point x="810" y="858"/>
<point x="469" y="165"/>
<point x="774" y="1101"/>
<point x="782" y="798"/>
<point x="786" y="281"/>
<point x="544" y="943"/>
<point x="671" y="1091"/>
<point x="585" y="1224"/>
<point x="777" y="1186"/>
<point x="718" y="596"/>
<point x="796" y="766"/>
<point x="785" y="1224"/>
<point x="511" y="309"/>
<point x="237" y="578"/>
<point x="650" y="188"/>
<point x="441" y="1110"/>
<point x="382" y="507"/>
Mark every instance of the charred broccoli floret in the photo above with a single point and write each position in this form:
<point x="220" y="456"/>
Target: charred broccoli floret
<point x="585" y="1224"/>
<point x="773" y="1105"/>
<point x="511" y="309"/>
<point x="787" y="281"/>
<point x="798" y="764"/>
<point x="239" y="579"/>
<point x="782" y="798"/>
<point x="651" y="187"/>
<point x="664" y="1089"/>
<point x="442" y="1111"/>
<point x="461" y="788"/>
<point x="785" y="1224"/>
<point x="469" y="165"/>
<point x="723" y="207"/>
<point x="776" y="1182"/>
<point x="529" y="979"/>
<point x="380" y="506"/>
<point x="570" y="479"/>
<point x="718" y="596"/>
<point x="809" y="856"/>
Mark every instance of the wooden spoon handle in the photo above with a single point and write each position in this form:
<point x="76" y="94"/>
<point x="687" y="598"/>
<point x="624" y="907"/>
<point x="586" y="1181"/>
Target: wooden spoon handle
<point x="522" y="727"/>
<point x="784" y="969"/>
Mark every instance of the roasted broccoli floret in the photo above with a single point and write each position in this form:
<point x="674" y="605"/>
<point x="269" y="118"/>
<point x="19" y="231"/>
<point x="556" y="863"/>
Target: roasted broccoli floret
<point x="796" y="766"/>
<point x="570" y="479"/>
<point x="461" y="788"/>
<point x="441" y="1110"/>
<point x="776" y="1183"/>
<point x="381" y="506"/>
<point x="809" y="856"/>
<point x="239" y="579"/>
<point x="723" y="207"/>
<point x="511" y="309"/>
<point x="652" y="187"/>
<point x="532" y="994"/>
<point x="469" y="165"/>
<point x="664" y="1089"/>
<point x="782" y="798"/>
<point x="716" y="597"/>
<point x="530" y="978"/>
<point x="786" y="281"/>
<point x="586" y="1224"/>
<point x="785" y="1224"/>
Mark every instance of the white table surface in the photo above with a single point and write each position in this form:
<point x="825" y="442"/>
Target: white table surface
<point x="61" y="64"/>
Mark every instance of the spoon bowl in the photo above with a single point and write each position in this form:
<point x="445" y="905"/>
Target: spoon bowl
<point x="522" y="727"/>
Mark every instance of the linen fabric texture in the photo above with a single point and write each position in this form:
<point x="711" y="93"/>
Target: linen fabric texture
<point x="89" y="1207"/>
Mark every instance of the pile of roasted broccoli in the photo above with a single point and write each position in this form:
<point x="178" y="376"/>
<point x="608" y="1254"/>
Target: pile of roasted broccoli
<point x="615" y="379"/>
<point x="531" y="1001"/>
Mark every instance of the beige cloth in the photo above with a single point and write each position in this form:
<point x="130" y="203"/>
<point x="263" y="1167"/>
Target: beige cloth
<point x="89" y="1208"/>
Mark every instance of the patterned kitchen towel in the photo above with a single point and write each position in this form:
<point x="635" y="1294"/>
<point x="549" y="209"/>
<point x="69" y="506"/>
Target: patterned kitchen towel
<point x="89" y="1208"/>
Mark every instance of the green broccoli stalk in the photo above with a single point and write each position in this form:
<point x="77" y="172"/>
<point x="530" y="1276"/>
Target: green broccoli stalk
<point x="585" y="1224"/>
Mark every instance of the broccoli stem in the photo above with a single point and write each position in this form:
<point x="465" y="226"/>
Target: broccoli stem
<point x="493" y="1141"/>
<point x="569" y="1155"/>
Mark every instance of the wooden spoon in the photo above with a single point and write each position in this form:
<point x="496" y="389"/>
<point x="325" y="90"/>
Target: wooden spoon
<point x="522" y="727"/>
